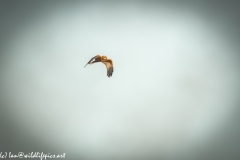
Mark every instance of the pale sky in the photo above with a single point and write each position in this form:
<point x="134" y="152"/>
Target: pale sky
<point x="175" y="83"/>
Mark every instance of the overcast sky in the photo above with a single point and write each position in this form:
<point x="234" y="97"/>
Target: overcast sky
<point x="174" y="93"/>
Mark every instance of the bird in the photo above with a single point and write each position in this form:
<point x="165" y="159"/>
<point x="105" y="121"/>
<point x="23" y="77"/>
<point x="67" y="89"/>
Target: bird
<point x="105" y="60"/>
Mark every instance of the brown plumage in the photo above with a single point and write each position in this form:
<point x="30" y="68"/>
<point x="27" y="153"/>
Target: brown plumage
<point x="103" y="59"/>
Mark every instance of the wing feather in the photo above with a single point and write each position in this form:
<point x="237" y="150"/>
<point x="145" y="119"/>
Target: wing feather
<point x="91" y="60"/>
<point x="109" y="66"/>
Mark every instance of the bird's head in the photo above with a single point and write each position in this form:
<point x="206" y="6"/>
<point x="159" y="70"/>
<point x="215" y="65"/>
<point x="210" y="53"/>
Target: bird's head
<point x="104" y="57"/>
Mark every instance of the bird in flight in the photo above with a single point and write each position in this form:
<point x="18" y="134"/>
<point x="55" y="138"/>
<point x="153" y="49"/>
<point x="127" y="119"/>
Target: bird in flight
<point x="105" y="60"/>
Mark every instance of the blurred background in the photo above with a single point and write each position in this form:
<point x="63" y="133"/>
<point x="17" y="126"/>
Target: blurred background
<point x="174" y="93"/>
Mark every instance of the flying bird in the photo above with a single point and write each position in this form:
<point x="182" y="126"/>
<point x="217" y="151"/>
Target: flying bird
<point x="105" y="60"/>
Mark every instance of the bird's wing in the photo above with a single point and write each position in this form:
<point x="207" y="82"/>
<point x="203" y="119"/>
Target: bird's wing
<point x="91" y="60"/>
<point x="109" y="66"/>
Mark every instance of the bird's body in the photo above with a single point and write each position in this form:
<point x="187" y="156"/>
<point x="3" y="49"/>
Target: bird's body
<point x="104" y="60"/>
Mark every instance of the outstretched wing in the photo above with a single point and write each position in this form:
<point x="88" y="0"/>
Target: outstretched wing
<point x="91" y="60"/>
<point x="109" y="66"/>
